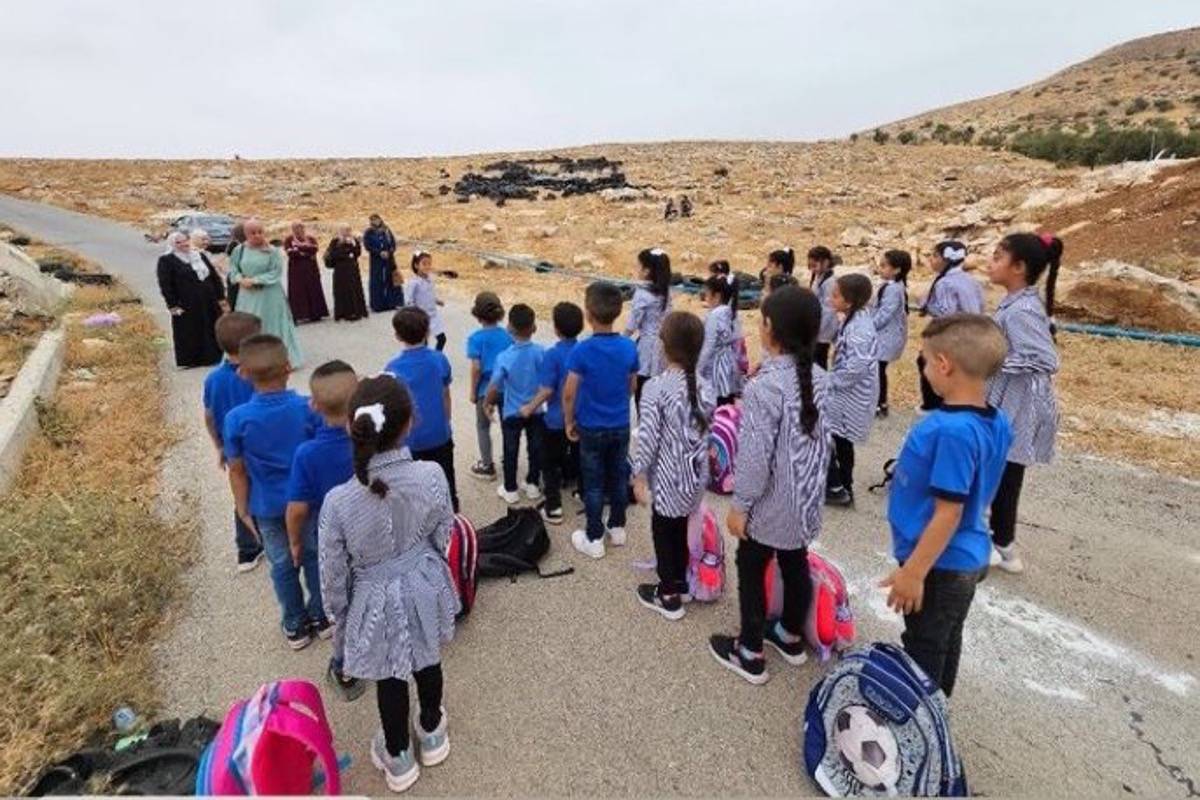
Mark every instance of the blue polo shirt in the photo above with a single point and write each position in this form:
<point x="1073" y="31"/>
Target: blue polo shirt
<point x="483" y="346"/>
<point x="224" y="390"/>
<point x="426" y="374"/>
<point x="321" y="463"/>
<point x="956" y="453"/>
<point x="552" y="376"/>
<point x="264" y="432"/>
<point x="517" y="375"/>
<point x="603" y="362"/>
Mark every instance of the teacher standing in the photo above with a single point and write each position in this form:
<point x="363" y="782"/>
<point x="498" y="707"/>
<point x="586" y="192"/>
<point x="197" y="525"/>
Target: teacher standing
<point x="257" y="268"/>
<point x="192" y="290"/>
<point x="381" y="245"/>
<point x="304" y="292"/>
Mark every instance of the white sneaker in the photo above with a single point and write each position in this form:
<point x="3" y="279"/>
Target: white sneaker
<point x="532" y="491"/>
<point x="1006" y="558"/>
<point x="616" y="537"/>
<point x="584" y="545"/>
<point x="507" y="496"/>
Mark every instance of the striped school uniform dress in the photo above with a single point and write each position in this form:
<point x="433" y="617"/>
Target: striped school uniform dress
<point x="823" y="289"/>
<point x="672" y="451"/>
<point x="781" y="470"/>
<point x="1024" y="387"/>
<point x="646" y="314"/>
<point x="419" y="292"/>
<point x="890" y="316"/>
<point x="953" y="292"/>
<point x="854" y="379"/>
<point x="717" y="364"/>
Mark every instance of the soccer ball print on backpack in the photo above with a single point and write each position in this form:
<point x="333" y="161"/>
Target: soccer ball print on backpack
<point x="462" y="554"/>
<point x="829" y="627"/>
<point x="722" y="447"/>
<point x="706" y="556"/>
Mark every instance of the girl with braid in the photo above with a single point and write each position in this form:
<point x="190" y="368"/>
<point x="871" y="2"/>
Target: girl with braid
<point x="779" y="487"/>
<point x="670" y="466"/>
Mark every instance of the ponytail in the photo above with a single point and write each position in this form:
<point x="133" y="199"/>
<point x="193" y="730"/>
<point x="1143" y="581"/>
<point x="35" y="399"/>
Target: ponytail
<point x="808" y="405"/>
<point x="380" y="411"/>
<point x="362" y="434"/>
<point x="1054" y="252"/>
<point x="855" y="290"/>
<point x="658" y="264"/>
<point x="1038" y="254"/>
<point x="724" y="286"/>
<point x="689" y="374"/>
<point x="794" y="315"/>
<point x="682" y="337"/>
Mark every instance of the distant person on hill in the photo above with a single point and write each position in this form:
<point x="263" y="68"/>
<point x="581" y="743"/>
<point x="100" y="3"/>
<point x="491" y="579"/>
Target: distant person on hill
<point x="305" y="295"/>
<point x="193" y="293"/>
<point x="890" y="316"/>
<point x="953" y="291"/>
<point x="685" y="206"/>
<point x="341" y="256"/>
<point x="257" y="268"/>
<point x="820" y="281"/>
<point x="384" y="276"/>
<point x="670" y="212"/>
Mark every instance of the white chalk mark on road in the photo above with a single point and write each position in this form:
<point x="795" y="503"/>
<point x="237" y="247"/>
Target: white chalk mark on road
<point x="1062" y="692"/>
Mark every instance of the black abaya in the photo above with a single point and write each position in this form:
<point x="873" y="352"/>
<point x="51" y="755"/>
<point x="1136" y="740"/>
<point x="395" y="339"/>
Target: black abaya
<point x="193" y="331"/>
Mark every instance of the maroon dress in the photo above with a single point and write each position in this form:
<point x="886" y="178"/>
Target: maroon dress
<point x="305" y="295"/>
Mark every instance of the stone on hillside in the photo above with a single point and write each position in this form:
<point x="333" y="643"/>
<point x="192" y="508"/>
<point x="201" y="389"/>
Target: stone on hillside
<point x="588" y="261"/>
<point x="547" y="231"/>
<point x="490" y="227"/>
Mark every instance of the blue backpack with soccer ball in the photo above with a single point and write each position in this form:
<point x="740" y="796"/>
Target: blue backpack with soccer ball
<point x="876" y="725"/>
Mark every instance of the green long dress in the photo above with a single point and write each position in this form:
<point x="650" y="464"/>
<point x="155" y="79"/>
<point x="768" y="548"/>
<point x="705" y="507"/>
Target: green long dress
<point x="267" y="302"/>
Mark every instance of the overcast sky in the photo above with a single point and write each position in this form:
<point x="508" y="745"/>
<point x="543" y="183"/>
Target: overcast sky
<point x="417" y="77"/>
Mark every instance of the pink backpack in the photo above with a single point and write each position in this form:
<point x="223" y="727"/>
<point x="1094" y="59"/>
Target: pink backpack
<point x="462" y="554"/>
<point x="829" y="628"/>
<point x="706" y="556"/>
<point x="270" y="744"/>
<point x="722" y="447"/>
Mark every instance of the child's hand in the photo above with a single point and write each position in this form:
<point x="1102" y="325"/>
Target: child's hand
<point x="907" y="591"/>
<point x="573" y="432"/>
<point x="248" y="521"/>
<point x="491" y="411"/>
<point x="526" y="411"/>
<point x="736" y="522"/>
<point x="641" y="490"/>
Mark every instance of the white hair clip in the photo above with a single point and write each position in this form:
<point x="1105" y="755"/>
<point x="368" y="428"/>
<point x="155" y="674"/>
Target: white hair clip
<point x="728" y="276"/>
<point x="954" y="253"/>
<point x="419" y="253"/>
<point x="375" y="412"/>
<point x="657" y="252"/>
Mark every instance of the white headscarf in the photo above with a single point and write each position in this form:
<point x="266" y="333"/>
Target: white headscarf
<point x="193" y="257"/>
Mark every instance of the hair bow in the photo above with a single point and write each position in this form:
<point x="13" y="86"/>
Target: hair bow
<point x="1047" y="239"/>
<point x="375" y="412"/>
<point x="419" y="253"/>
<point x="728" y="276"/>
<point x="657" y="252"/>
<point x="954" y="254"/>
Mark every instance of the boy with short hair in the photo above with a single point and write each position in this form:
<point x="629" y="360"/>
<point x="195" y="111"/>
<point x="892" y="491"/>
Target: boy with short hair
<point x="515" y="379"/>
<point x="601" y="371"/>
<point x="426" y="374"/>
<point x="224" y="390"/>
<point x="560" y="456"/>
<point x="260" y="439"/>
<point x="482" y="348"/>
<point x="946" y="476"/>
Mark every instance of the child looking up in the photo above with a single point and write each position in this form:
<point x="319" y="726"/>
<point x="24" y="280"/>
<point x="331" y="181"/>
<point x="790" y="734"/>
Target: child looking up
<point x="426" y="375"/>
<point x="420" y="292"/>
<point x="891" y="316"/>
<point x="670" y="467"/>
<point x="384" y="576"/>
<point x="1024" y="387"/>
<point x="515" y="380"/>
<point x="853" y="383"/>
<point x="650" y="304"/>
<point x="482" y="348"/>
<point x="261" y="437"/>
<point x="718" y="364"/>
<point x="601" y="372"/>
<point x="224" y="390"/>
<point x="820" y="281"/>
<point x="946" y="475"/>
<point x="953" y="291"/>
<point x="779" y="486"/>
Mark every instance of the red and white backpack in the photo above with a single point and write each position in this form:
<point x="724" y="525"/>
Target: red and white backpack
<point x="462" y="554"/>
<point x="829" y="628"/>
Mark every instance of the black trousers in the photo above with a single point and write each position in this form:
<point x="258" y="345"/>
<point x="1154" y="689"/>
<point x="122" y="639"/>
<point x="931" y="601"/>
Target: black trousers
<point x="391" y="696"/>
<point x="440" y="342"/>
<point x="821" y="354"/>
<point x="841" y="466"/>
<point x="638" y="385"/>
<point x="511" y="428"/>
<point x="670" y="552"/>
<point x="933" y="635"/>
<point x="752" y="561"/>
<point x="727" y="399"/>
<point x="930" y="399"/>
<point x="883" y="401"/>
<point x="560" y="464"/>
<point x="444" y="457"/>
<point x="1004" y="506"/>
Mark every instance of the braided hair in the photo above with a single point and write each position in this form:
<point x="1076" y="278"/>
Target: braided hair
<point x="900" y="261"/>
<point x="724" y="286"/>
<point x="682" y="335"/>
<point x="657" y="264"/>
<point x="785" y="259"/>
<point x="1038" y="254"/>
<point x="380" y="411"/>
<point x="794" y="316"/>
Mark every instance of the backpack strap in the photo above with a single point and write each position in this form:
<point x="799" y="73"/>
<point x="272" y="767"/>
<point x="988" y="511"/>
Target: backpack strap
<point x="889" y="468"/>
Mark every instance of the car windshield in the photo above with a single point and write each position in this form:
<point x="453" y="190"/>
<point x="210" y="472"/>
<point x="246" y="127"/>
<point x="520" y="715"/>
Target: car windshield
<point x="213" y="219"/>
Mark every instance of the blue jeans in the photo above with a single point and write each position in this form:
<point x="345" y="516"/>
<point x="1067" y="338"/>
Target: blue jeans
<point x="286" y="577"/>
<point x="248" y="547"/>
<point x="604" y="474"/>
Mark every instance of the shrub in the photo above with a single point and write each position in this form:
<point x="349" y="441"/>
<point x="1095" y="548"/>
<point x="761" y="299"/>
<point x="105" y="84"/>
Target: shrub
<point x="993" y="139"/>
<point x="1136" y="106"/>
<point x="906" y="137"/>
<point x="1105" y="145"/>
<point x="1163" y="104"/>
<point x="854" y="137"/>
<point x="881" y="136"/>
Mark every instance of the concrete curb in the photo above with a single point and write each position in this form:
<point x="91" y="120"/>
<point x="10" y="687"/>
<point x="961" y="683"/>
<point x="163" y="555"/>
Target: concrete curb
<point x="18" y="412"/>
<point x="43" y="291"/>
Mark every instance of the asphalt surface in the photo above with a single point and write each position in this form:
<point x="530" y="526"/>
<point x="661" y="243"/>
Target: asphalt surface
<point x="1078" y="678"/>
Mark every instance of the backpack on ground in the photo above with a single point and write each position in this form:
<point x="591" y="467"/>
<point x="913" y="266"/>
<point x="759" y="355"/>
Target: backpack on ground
<point x="706" y="556"/>
<point x="513" y="544"/>
<point x="875" y="725"/>
<point x="276" y="743"/>
<point x="722" y="447"/>
<point x="462" y="554"/>
<point x="829" y="627"/>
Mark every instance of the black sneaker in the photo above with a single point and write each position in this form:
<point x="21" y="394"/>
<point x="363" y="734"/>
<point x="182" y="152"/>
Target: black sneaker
<point x="842" y="498"/>
<point x="298" y="640"/>
<point x="321" y="628"/>
<point x="482" y="471"/>
<point x="881" y="412"/>
<point x="350" y="689"/>
<point x="670" y="607"/>
<point x="792" y="652"/>
<point x="727" y="652"/>
<point x="553" y="516"/>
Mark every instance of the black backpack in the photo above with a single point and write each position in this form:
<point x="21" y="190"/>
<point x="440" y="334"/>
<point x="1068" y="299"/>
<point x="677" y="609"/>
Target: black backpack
<point x="514" y="544"/>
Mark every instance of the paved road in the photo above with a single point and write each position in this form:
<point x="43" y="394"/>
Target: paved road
<point x="1078" y="678"/>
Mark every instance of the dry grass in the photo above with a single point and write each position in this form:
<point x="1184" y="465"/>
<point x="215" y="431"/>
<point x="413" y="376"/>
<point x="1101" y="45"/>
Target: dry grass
<point x="90" y="567"/>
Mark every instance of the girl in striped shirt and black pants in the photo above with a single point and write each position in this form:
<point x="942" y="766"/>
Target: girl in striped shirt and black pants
<point x="670" y="465"/>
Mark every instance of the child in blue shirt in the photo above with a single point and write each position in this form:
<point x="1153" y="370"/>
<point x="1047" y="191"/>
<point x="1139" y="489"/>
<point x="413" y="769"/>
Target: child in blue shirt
<point x="425" y="372"/>
<point x="602" y="371"/>
<point x="482" y="348"/>
<point x="260" y="439"/>
<point x="946" y="476"/>
<point x="224" y="390"/>
<point x="515" y="381"/>
<point x="560" y="455"/>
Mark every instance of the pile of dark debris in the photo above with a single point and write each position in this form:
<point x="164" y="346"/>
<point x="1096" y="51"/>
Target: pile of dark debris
<point x="544" y="178"/>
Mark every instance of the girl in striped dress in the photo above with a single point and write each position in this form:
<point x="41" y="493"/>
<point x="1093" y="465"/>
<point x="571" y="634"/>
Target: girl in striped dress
<point x="1024" y="388"/>
<point x="670" y="465"/>
<point x="783" y="453"/>
<point x="953" y="291"/>
<point x="650" y="304"/>
<point x="853" y="383"/>
<point x="820" y="280"/>
<point x="382" y="538"/>
<point x="718" y="363"/>
<point x="891" y="316"/>
<point x="419" y="292"/>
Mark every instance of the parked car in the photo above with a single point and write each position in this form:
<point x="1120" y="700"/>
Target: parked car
<point x="219" y="228"/>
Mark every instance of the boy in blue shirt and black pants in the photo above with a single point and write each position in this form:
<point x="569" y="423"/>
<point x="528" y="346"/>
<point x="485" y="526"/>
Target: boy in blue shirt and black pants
<point x="601" y="371"/>
<point x="946" y="476"/>
<point x="515" y="380"/>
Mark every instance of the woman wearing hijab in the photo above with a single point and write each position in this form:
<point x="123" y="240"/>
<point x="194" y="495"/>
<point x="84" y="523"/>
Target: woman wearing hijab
<point x="192" y="290"/>
<point x="341" y="256"/>
<point x="257" y="268"/>
<point x="304" y="292"/>
<point x="237" y="236"/>
<point x="381" y="245"/>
